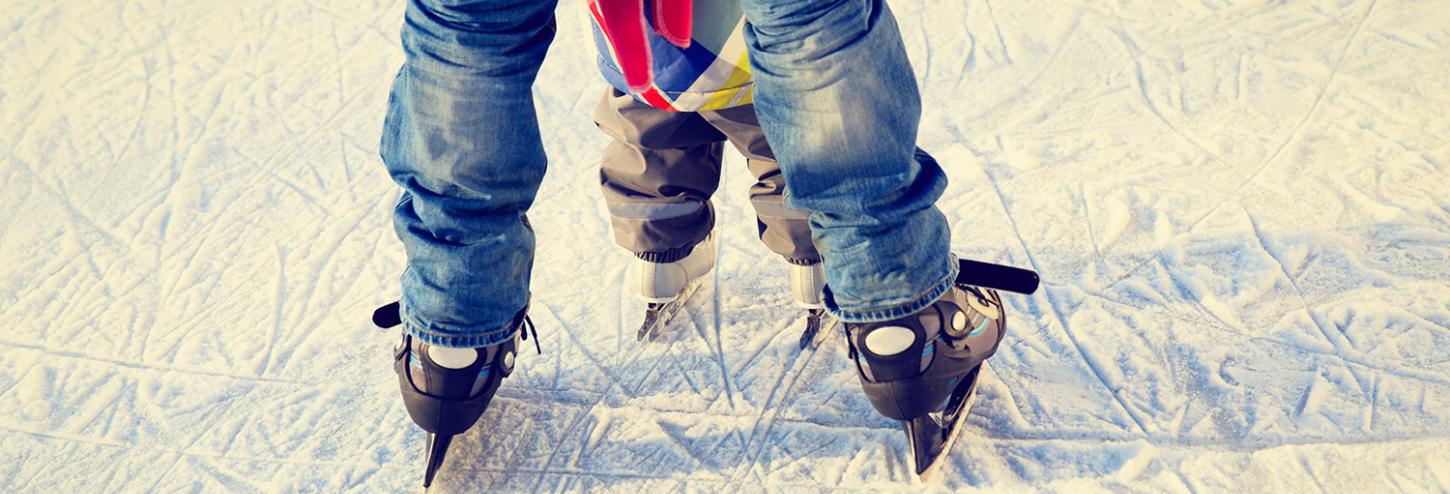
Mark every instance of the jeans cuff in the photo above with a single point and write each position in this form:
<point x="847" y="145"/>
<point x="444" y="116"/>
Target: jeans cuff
<point x="922" y="301"/>
<point x="456" y="337"/>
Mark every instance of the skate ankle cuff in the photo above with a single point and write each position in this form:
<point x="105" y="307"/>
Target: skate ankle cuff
<point x="803" y="262"/>
<point x="664" y="256"/>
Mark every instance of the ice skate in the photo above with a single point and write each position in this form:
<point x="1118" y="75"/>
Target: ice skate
<point x="446" y="390"/>
<point x="806" y="284"/>
<point x="668" y="286"/>
<point x="922" y="369"/>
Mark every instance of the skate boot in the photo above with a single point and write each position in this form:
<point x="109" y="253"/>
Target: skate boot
<point x="446" y="390"/>
<point x="806" y="284"/>
<point x="922" y="369"/>
<point x="666" y="286"/>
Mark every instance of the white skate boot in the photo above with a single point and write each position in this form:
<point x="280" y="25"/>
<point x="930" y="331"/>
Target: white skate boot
<point x="668" y="285"/>
<point x="807" y="285"/>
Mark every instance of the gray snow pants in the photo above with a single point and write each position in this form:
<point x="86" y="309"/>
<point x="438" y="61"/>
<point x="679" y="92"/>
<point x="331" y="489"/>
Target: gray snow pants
<point x="660" y="171"/>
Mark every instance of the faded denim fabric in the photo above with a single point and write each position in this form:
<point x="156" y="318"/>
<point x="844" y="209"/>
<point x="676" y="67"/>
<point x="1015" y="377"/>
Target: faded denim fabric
<point x="462" y="139"/>
<point x="835" y="95"/>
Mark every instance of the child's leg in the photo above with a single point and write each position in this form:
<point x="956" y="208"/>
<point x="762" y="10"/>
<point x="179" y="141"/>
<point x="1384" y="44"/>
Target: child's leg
<point x="786" y="231"/>
<point x="658" y="176"/>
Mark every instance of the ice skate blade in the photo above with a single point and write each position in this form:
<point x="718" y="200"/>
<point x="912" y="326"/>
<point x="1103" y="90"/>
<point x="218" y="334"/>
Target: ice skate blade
<point x="817" y="320"/>
<point x="437" y="450"/>
<point x="955" y="431"/>
<point x="660" y="314"/>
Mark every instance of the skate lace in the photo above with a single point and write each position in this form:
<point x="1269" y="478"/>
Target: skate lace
<point x="529" y="328"/>
<point x="974" y="290"/>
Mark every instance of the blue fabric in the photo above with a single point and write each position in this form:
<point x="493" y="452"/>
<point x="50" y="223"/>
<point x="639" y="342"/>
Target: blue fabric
<point x="462" y="139"/>
<point x="677" y="70"/>
<point x="844" y="133"/>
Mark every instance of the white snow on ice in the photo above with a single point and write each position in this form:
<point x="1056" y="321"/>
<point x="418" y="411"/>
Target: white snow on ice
<point x="1241" y="211"/>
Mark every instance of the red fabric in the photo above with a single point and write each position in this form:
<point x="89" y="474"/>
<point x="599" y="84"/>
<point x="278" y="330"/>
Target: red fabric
<point x="673" y="21"/>
<point x="655" y="99"/>
<point x="623" y="24"/>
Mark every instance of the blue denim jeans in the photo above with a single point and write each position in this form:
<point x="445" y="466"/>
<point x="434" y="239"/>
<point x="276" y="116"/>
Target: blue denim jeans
<point x="838" y="101"/>
<point x="835" y="95"/>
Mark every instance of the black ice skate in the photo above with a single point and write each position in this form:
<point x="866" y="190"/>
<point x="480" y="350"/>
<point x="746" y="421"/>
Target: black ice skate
<point x="446" y="390"/>
<point x="922" y="369"/>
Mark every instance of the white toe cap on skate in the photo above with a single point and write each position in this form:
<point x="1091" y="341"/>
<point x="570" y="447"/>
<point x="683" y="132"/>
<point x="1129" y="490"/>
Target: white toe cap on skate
<point x="663" y="282"/>
<point x="889" y="340"/>
<point x="452" y="358"/>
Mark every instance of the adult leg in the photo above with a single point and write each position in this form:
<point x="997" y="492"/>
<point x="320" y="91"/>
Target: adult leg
<point x="462" y="139"/>
<point x="839" y="104"/>
<point x="836" y="96"/>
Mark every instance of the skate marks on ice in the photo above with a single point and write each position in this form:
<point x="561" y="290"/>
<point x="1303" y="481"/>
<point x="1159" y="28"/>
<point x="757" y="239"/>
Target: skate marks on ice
<point x="1300" y="251"/>
<point x="1238" y="210"/>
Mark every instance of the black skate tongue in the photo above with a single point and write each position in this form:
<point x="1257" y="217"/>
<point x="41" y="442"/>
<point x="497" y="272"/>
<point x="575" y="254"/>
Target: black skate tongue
<point x="996" y="276"/>
<point x="387" y="316"/>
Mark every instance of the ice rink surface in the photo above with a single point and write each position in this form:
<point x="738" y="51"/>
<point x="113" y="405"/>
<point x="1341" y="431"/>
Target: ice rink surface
<point x="1240" y="210"/>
